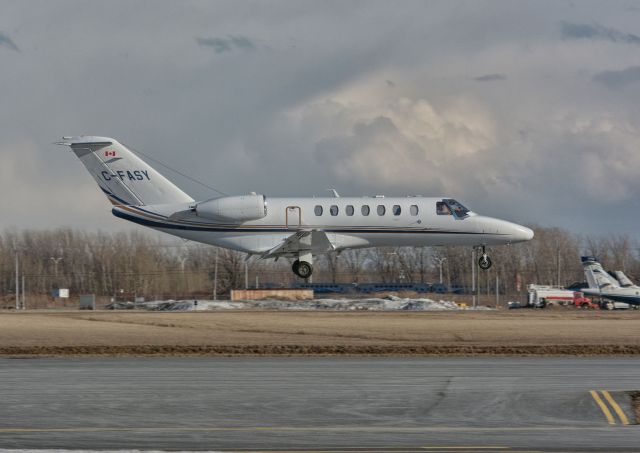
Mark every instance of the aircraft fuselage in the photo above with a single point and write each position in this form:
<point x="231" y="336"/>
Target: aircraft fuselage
<point x="391" y="221"/>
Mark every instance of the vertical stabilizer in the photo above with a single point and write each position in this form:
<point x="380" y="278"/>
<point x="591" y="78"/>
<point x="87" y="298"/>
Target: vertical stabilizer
<point x="123" y="177"/>
<point x="597" y="277"/>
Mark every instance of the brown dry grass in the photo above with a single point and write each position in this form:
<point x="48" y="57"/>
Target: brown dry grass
<point x="523" y="332"/>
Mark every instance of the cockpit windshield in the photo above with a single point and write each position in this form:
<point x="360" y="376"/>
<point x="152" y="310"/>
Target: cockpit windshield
<point x="449" y="206"/>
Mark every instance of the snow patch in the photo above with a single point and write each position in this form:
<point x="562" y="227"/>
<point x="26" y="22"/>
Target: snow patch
<point x="390" y="303"/>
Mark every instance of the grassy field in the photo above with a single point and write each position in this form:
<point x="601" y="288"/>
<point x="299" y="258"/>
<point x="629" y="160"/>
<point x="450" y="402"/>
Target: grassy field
<point x="526" y="332"/>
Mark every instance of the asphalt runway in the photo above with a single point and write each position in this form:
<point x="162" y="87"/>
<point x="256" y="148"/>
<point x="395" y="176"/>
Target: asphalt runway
<point x="320" y="404"/>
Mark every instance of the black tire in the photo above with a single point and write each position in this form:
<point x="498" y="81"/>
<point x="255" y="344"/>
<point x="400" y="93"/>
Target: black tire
<point x="294" y="266"/>
<point x="484" y="262"/>
<point x="304" y="269"/>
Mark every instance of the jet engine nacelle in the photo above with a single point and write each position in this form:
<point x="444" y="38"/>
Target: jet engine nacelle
<point x="239" y="208"/>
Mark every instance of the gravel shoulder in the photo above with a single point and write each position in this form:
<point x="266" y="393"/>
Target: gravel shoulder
<point x="516" y="332"/>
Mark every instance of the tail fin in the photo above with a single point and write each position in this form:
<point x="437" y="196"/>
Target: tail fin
<point x="625" y="282"/>
<point x="123" y="177"/>
<point x="597" y="277"/>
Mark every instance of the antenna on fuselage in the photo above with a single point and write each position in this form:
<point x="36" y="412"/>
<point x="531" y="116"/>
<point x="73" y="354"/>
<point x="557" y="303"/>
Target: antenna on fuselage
<point x="334" y="192"/>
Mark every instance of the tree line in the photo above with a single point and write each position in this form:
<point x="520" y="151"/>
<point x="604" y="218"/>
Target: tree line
<point x="129" y="264"/>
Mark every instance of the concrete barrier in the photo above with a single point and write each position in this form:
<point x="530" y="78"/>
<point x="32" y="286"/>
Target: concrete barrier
<point x="284" y="294"/>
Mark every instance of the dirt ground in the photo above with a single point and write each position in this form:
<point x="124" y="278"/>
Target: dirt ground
<point x="521" y="332"/>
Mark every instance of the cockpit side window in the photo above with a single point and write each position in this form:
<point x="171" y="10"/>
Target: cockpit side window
<point x="458" y="209"/>
<point x="442" y="208"/>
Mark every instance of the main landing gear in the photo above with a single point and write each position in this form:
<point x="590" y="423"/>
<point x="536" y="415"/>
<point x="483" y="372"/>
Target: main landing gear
<point x="484" y="262"/>
<point x="302" y="269"/>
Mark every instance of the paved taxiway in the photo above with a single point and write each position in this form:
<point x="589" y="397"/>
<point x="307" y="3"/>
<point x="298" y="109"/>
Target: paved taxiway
<point x="324" y="404"/>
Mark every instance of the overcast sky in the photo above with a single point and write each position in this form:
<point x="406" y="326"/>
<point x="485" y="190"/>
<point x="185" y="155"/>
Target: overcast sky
<point x="528" y="111"/>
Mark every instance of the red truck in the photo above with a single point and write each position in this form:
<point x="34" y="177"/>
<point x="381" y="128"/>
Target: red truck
<point x="540" y="296"/>
<point x="580" y="301"/>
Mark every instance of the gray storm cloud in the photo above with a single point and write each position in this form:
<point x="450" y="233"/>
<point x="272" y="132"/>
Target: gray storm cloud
<point x="7" y="43"/>
<point x="618" y="79"/>
<point x="513" y="107"/>
<point x="227" y="44"/>
<point x="490" y="77"/>
<point x="597" y="32"/>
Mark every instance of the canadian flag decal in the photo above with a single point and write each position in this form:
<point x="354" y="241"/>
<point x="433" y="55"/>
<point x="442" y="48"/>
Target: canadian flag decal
<point x="110" y="153"/>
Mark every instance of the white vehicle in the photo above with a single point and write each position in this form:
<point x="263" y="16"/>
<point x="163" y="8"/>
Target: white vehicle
<point x="602" y="284"/>
<point x="542" y="295"/>
<point x="297" y="228"/>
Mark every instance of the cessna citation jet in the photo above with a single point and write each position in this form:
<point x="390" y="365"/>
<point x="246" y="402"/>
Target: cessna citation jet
<point x="296" y="228"/>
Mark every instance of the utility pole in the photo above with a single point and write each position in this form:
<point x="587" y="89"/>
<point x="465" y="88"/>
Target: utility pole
<point x="55" y="260"/>
<point x="215" y="278"/>
<point x="488" y="285"/>
<point x="497" y="290"/>
<point x="477" y="285"/>
<point x="246" y="275"/>
<point x="440" y="261"/>
<point x="17" y="281"/>
<point x="473" y="276"/>
<point x="558" y="279"/>
<point x="24" y="303"/>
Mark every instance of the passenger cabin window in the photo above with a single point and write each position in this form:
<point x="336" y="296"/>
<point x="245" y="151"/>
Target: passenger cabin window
<point x="414" y="209"/>
<point x="318" y="210"/>
<point x="349" y="210"/>
<point x="396" y="209"/>
<point x="381" y="209"/>
<point x="333" y="210"/>
<point x="365" y="210"/>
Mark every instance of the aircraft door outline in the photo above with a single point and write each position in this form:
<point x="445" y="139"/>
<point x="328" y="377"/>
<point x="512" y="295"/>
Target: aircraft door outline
<point x="293" y="214"/>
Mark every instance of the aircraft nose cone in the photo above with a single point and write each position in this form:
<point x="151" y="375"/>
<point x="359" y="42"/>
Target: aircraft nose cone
<point x="502" y="231"/>
<point x="521" y="233"/>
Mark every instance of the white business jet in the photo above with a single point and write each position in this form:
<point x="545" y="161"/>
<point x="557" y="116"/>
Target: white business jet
<point x="296" y="228"/>
<point x="602" y="284"/>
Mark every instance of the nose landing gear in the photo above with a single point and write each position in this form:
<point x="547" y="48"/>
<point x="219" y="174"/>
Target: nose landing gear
<point x="484" y="262"/>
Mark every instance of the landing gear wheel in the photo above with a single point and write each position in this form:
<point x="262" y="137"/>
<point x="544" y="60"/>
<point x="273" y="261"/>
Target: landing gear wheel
<point x="302" y="269"/>
<point x="484" y="262"/>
